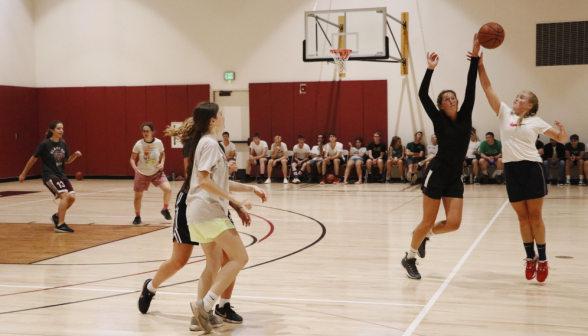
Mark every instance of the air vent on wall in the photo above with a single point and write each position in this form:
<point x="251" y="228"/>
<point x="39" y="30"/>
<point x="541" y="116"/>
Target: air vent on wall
<point x="562" y="43"/>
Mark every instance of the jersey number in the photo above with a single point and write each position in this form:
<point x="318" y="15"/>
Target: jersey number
<point x="61" y="185"/>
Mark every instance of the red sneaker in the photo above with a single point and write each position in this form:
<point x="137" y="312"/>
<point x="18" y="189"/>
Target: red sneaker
<point x="336" y="180"/>
<point x="531" y="268"/>
<point x="542" y="271"/>
<point x="323" y="180"/>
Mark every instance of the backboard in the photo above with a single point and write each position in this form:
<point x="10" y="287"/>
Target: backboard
<point x="362" y="30"/>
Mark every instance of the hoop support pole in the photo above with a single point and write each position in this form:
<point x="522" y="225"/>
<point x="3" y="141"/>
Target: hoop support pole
<point x="404" y="45"/>
<point x="403" y="22"/>
<point x="326" y="21"/>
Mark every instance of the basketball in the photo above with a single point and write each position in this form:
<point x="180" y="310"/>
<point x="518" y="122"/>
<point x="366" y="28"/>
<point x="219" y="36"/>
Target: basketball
<point x="491" y="35"/>
<point x="79" y="176"/>
<point x="330" y="178"/>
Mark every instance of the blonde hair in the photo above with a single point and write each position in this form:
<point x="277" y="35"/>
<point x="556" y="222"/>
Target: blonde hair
<point x="474" y="135"/>
<point x="182" y="133"/>
<point x="533" y="111"/>
<point x="277" y="138"/>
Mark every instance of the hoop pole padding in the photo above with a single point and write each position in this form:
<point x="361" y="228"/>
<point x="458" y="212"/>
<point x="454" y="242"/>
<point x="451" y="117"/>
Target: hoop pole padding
<point x="404" y="44"/>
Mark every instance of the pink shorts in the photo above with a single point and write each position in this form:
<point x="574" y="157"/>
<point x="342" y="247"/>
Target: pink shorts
<point x="142" y="182"/>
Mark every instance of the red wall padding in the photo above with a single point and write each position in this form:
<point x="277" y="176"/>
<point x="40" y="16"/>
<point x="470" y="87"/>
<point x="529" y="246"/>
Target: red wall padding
<point x="101" y="122"/>
<point x="348" y="108"/>
<point x="18" y="115"/>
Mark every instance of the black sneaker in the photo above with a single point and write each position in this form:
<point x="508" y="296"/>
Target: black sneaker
<point x="421" y="251"/>
<point x="55" y="219"/>
<point x="137" y="220"/>
<point x="410" y="267"/>
<point x="63" y="228"/>
<point x="260" y="180"/>
<point x="476" y="180"/>
<point x="166" y="214"/>
<point x="228" y="314"/>
<point x="145" y="298"/>
<point x="498" y="179"/>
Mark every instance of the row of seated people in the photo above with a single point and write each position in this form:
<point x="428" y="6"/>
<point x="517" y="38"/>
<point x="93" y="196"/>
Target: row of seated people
<point x="408" y="159"/>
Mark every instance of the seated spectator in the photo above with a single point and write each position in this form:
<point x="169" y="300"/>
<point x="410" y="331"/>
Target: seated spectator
<point x="554" y="155"/>
<point x="415" y="153"/>
<point x="316" y="157"/>
<point x="278" y="157"/>
<point x="471" y="158"/>
<point x="257" y="157"/>
<point x="574" y="153"/>
<point x="432" y="150"/>
<point x="301" y="153"/>
<point x="333" y="155"/>
<point x="539" y="145"/>
<point x="376" y="152"/>
<point x="230" y="148"/>
<point x="357" y="159"/>
<point x="395" y="158"/>
<point x="491" y="155"/>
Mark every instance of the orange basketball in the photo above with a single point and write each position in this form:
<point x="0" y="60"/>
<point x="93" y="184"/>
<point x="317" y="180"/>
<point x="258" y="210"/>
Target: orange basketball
<point x="491" y="35"/>
<point x="79" y="176"/>
<point x="330" y="178"/>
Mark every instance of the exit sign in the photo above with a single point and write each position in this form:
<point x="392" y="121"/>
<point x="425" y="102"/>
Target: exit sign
<point x="230" y="76"/>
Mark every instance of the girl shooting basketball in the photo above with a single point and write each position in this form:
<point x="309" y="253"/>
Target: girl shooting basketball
<point x="54" y="154"/>
<point x="525" y="183"/>
<point x="442" y="177"/>
<point x="151" y="160"/>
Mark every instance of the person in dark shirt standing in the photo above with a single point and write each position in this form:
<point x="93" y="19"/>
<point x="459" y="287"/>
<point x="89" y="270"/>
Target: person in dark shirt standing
<point x="54" y="155"/>
<point x="442" y="177"/>
<point x="376" y="155"/>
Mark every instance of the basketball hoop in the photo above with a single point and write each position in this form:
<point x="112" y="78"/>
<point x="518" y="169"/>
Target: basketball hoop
<point x="340" y="57"/>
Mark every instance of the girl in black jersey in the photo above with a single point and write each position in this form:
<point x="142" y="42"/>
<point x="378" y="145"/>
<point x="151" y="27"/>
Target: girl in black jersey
<point x="442" y="178"/>
<point x="54" y="155"/>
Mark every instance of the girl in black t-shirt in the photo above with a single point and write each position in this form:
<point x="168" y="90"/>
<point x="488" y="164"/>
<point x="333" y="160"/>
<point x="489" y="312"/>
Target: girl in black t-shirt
<point x="54" y="154"/>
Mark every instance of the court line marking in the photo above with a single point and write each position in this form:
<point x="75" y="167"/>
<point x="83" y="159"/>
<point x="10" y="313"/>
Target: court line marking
<point x="441" y="289"/>
<point x="234" y="296"/>
<point x="51" y="199"/>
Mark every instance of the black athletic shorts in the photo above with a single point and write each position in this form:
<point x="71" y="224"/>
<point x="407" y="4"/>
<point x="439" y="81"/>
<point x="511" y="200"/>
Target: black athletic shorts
<point x="524" y="181"/>
<point x="442" y="181"/>
<point x="341" y="161"/>
<point x="469" y="162"/>
<point x="266" y="160"/>
<point x="181" y="231"/>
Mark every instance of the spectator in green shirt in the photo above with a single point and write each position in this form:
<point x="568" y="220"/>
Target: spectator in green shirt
<point x="491" y="155"/>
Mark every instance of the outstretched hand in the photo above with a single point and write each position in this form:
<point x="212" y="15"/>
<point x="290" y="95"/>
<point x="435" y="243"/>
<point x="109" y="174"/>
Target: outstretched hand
<point x="432" y="60"/>
<point x="475" y="49"/>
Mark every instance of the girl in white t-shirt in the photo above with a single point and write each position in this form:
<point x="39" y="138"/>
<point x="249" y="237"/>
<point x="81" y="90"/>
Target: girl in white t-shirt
<point x="207" y="207"/>
<point x="356" y="160"/>
<point x="148" y="160"/>
<point x="525" y="183"/>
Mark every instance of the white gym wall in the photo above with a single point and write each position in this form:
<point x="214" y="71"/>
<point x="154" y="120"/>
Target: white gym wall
<point x="133" y="42"/>
<point x="17" y="43"/>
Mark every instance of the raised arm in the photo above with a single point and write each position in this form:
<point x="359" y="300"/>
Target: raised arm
<point x="485" y="81"/>
<point x="470" y="94"/>
<point x="428" y="104"/>
<point x="560" y="134"/>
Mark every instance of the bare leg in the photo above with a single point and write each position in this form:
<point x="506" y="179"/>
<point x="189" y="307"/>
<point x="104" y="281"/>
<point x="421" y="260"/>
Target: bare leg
<point x="358" y="166"/>
<point x="499" y="164"/>
<point x="248" y="167"/>
<point x="381" y="166"/>
<point x="270" y="166"/>
<point x="231" y="243"/>
<point x="336" y="163"/>
<point x="388" y="167"/>
<point x="180" y="255"/>
<point x="430" y="210"/>
<point x="475" y="166"/>
<point x="262" y="165"/>
<point x="63" y="206"/>
<point x="401" y="168"/>
<point x="138" y="199"/>
<point x="229" y="291"/>
<point x="166" y="187"/>
<point x="525" y="225"/>
<point x="285" y="168"/>
<point x="534" y="209"/>
<point x="453" y="210"/>
<point x="347" y="170"/>
<point x="214" y="260"/>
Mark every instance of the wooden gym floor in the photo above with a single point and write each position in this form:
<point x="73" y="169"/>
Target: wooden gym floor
<point x="323" y="261"/>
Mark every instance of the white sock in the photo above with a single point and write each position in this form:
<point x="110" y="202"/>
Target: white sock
<point x="222" y="302"/>
<point x="430" y="234"/>
<point x="209" y="300"/>
<point x="151" y="288"/>
<point x="581" y="177"/>
<point x="485" y="172"/>
<point x="411" y="253"/>
<point x="568" y="178"/>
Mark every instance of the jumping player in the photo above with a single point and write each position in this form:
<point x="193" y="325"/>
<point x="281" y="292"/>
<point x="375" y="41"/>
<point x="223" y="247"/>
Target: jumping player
<point x="442" y="178"/>
<point x="525" y="183"/>
<point x="150" y="153"/>
<point x="54" y="154"/>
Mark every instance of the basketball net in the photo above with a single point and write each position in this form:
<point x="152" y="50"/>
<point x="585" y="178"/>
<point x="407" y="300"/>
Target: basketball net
<point x="340" y="57"/>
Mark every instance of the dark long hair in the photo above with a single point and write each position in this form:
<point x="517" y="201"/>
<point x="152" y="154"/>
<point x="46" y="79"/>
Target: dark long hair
<point x="203" y="113"/>
<point x="394" y="141"/>
<point x="52" y="126"/>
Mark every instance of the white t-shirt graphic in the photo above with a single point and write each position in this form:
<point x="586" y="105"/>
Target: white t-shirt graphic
<point x="518" y="141"/>
<point x="149" y="154"/>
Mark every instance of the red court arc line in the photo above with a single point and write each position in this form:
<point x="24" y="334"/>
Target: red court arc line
<point x="271" y="228"/>
<point x="89" y="282"/>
